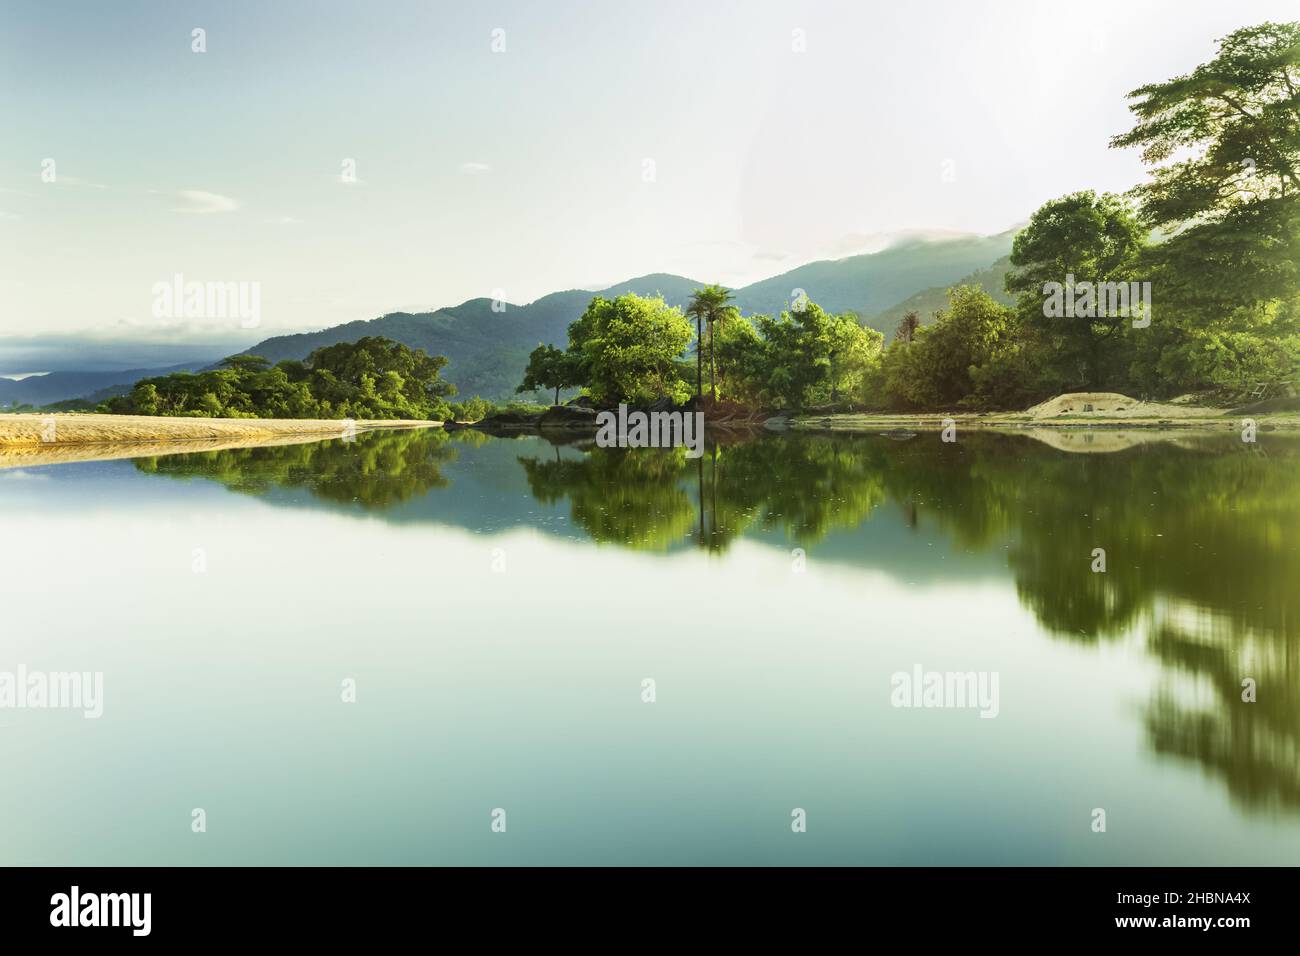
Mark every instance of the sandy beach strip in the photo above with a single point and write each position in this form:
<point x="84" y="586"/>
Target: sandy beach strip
<point x="29" y="439"/>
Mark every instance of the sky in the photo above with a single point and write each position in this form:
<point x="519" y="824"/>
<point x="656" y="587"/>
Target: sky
<point x="358" y="158"/>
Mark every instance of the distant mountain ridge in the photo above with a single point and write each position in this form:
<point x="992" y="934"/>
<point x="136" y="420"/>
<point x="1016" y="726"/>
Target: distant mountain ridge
<point x="928" y="301"/>
<point x="60" y="386"/>
<point x="488" y="350"/>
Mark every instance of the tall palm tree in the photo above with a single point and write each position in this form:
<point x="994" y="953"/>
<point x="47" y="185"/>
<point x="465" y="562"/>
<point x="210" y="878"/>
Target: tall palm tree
<point x="713" y="303"/>
<point x="698" y="309"/>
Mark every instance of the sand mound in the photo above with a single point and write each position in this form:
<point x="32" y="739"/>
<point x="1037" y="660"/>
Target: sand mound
<point x="1112" y="405"/>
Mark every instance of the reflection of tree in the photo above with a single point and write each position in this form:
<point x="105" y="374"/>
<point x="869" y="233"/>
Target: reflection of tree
<point x="1215" y="529"/>
<point x="375" y="470"/>
<point x="1253" y="747"/>
<point x="627" y="496"/>
<point x="806" y="486"/>
<point x="1211" y="532"/>
<point x="1202" y="543"/>
<point x="654" y="498"/>
<point x="1203" y="553"/>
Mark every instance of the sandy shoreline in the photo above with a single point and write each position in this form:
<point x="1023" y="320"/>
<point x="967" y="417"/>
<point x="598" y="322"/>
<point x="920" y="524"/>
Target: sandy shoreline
<point x="38" y="429"/>
<point x="1016" y="423"/>
<point x="38" y="439"/>
<point x="1082" y="411"/>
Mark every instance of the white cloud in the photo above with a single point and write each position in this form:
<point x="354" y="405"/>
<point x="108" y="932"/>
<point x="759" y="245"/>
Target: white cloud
<point x="283" y="221"/>
<point x="474" y="168"/>
<point x="198" y="201"/>
<point x="61" y="180"/>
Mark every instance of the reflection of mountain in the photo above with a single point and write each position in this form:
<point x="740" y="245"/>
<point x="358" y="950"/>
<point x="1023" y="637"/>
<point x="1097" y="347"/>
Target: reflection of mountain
<point x="1202" y="542"/>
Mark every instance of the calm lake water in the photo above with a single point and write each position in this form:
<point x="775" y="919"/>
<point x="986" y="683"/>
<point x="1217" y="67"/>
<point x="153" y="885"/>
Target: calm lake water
<point x="499" y="605"/>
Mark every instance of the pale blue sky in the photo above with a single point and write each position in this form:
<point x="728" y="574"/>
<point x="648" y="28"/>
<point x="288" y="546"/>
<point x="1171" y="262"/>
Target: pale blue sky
<point x="525" y="170"/>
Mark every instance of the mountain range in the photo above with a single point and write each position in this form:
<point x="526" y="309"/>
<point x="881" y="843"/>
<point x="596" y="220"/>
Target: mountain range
<point x="55" y="387"/>
<point x="488" y="348"/>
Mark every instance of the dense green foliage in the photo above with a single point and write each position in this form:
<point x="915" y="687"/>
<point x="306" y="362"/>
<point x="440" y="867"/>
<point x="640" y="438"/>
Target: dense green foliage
<point x="627" y="349"/>
<point x="972" y="354"/>
<point x="1224" y="268"/>
<point x="632" y="349"/>
<point x="1225" y="144"/>
<point x="809" y="357"/>
<point x="1094" y="239"/>
<point x="472" y="409"/>
<point x="371" y="378"/>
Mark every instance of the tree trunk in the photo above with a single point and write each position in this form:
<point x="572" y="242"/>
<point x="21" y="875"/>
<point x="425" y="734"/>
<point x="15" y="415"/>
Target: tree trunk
<point x="713" y="366"/>
<point x="699" y="360"/>
<point x="557" y="395"/>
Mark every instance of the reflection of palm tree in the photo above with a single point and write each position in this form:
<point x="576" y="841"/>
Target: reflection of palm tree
<point x="714" y="489"/>
<point x="712" y="304"/>
<point x="699" y="493"/>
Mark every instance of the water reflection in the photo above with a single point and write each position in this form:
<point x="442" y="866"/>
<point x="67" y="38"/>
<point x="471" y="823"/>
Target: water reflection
<point x="376" y="470"/>
<point x="1200" y="540"/>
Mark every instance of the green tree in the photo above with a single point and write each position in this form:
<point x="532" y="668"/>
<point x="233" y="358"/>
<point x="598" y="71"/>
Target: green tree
<point x="852" y="350"/>
<point x="472" y="409"/>
<point x="145" y="399"/>
<point x="742" y="361"/>
<point x="971" y="354"/>
<point x="626" y="350"/>
<point x="548" y="367"/>
<point x="812" y="357"/>
<point x="1240" y="113"/>
<point x="1078" y="238"/>
<point x="1224" y="146"/>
